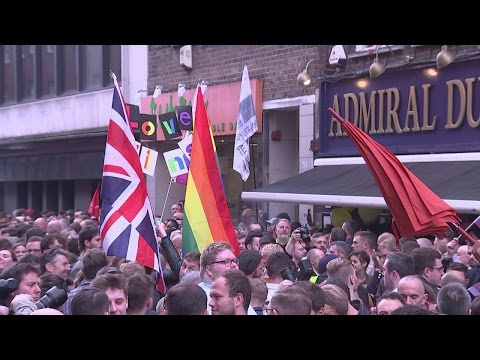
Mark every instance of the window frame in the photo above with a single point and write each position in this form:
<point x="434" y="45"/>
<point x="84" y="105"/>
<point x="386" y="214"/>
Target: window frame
<point x="58" y="70"/>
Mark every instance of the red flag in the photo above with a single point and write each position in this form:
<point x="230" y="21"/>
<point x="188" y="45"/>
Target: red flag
<point x="94" y="208"/>
<point x="416" y="209"/>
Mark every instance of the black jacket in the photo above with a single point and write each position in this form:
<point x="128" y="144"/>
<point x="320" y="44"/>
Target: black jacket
<point x="171" y="254"/>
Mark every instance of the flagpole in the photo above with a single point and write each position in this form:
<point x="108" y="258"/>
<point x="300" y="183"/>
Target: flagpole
<point x="458" y="228"/>
<point x="252" y="155"/>
<point x="469" y="226"/>
<point x="166" y="198"/>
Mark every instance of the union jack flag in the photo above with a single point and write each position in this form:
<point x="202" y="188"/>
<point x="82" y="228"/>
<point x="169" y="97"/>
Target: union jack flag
<point x="126" y="219"/>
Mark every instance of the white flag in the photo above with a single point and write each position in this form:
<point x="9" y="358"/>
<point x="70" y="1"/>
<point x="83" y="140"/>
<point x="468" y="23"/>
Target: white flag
<point x="246" y="127"/>
<point x="148" y="160"/>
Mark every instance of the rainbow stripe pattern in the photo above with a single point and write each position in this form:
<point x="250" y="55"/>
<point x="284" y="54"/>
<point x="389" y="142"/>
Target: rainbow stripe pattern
<point x="206" y="215"/>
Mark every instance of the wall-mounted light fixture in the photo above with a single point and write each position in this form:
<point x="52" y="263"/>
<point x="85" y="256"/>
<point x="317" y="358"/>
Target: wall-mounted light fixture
<point x="377" y="68"/>
<point x="181" y="90"/>
<point x="444" y="57"/>
<point x="303" y="78"/>
<point x="158" y="91"/>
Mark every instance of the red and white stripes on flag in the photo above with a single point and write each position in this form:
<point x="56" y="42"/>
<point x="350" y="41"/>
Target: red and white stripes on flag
<point x="126" y="220"/>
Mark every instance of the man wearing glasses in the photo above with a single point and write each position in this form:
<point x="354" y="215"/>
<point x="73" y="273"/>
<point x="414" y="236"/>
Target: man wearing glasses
<point x="428" y="264"/>
<point x="216" y="259"/>
<point x="34" y="246"/>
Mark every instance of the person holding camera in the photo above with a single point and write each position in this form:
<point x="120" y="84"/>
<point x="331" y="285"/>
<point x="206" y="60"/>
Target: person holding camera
<point x="25" y="281"/>
<point x="296" y="249"/>
<point x="280" y="268"/>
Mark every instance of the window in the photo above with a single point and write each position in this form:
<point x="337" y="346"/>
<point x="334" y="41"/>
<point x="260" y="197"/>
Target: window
<point x="114" y="63"/>
<point x="30" y="72"/>
<point x="8" y="74"/>
<point x="27" y="66"/>
<point x="47" y="71"/>
<point x="92" y="71"/>
<point x="68" y="66"/>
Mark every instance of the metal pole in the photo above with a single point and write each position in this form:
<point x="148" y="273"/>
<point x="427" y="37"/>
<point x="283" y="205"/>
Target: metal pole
<point x="166" y="198"/>
<point x="469" y="226"/>
<point x="457" y="228"/>
<point x="252" y="155"/>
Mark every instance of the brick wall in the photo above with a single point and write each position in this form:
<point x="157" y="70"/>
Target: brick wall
<point x="277" y="65"/>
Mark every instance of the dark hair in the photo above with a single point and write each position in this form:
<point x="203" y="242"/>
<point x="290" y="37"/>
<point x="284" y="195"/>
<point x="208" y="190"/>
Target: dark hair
<point x="458" y="267"/>
<point x="50" y="238"/>
<point x="251" y="235"/>
<point x="18" y="271"/>
<point x="424" y="258"/>
<point x="48" y="256"/>
<point x="277" y="262"/>
<point x="411" y="310"/>
<point x="401" y="263"/>
<point x="90" y="301"/>
<point x="72" y="245"/>
<point x="315" y="292"/>
<point x="238" y="283"/>
<point x="186" y="299"/>
<point x="338" y="234"/>
<point x="49" y="280"/>
<point x="351" y="226"/>
<point x="393" y="295"/>
<point x="87" y="233"/>
<point x="34" y="231"/>
<point x="139" y="289"/>
<point x="93" y="261"/>
<point x="340" y="283"/>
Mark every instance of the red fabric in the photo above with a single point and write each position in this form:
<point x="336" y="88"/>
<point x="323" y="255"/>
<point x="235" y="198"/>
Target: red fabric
<point x="416" y="209"/>
<point x="94" y="208"/>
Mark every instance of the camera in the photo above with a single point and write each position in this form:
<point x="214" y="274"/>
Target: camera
<point x="8" y="285"/>
<point x="53" y="298"/>
<point x="304" y="234"/>
<point x="288" y="274"/>
<point x="305" y="270"/>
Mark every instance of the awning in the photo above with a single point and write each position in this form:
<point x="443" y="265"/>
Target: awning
<point x="347" y="182"/>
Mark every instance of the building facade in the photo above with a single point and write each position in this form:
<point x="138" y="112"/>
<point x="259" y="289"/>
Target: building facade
<point x="280" y="148"/>
<point x="55" y="103"/>
<point x="420" y="102"/>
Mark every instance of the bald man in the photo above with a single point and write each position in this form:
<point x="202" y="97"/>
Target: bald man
<point x="412" y="288"/>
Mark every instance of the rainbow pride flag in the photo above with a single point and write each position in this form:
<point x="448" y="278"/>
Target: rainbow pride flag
<point x="206" y="215"/>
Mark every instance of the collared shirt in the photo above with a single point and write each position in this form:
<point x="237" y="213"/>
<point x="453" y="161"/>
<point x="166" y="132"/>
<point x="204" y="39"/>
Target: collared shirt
<point x="67" y="307"/>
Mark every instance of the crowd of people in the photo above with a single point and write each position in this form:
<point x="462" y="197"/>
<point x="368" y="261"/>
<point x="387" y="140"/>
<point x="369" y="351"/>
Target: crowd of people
<point x="53" y="263"/>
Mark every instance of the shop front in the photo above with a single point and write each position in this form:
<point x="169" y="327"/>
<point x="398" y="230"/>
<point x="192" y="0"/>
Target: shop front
<point x="163" y="122"/>
<point x="429" y="118"/>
